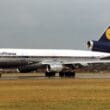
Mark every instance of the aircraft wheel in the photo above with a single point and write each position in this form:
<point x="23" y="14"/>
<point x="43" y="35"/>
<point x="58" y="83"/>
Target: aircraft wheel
<point x="67" y="74"/>
<point x="73" y="74"/>
<point x="50" y="74"/>
<point x="53" y="74"/>
<point x="46" y="74"/>
<point x="70" y="74"/>
<point x="61" y="74"/>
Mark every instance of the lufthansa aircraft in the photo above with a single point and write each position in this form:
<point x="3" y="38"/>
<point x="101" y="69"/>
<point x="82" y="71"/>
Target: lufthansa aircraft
<point x="53" y="61"/>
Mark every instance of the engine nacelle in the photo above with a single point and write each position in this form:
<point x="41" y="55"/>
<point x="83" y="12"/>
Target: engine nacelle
<point x="28" y="68"/>
<point x="99" y="46"/>
<point x="54" y="68"/>
<point x="90" y="44"/>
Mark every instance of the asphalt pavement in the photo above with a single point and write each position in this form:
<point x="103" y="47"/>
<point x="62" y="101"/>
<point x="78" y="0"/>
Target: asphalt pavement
<point x="78" y="76"/>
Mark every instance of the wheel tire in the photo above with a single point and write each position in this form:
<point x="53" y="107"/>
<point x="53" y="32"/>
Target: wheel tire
<point x="67" y="74"/>
<point x="50" y="74"/>
<point x="70" y="74"/>
<point x="61" y="74"/>
<point x="47" y="74"/>
<point x="73" y="74"/>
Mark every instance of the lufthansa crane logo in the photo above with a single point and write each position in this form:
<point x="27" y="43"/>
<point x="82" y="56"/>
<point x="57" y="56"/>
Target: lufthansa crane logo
<point x="108" y="34"/>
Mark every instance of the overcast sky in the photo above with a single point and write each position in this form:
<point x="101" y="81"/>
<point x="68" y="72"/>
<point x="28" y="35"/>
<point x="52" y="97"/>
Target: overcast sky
<point x="60" y="24"/>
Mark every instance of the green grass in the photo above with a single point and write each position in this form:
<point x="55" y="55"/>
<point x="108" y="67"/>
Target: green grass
<point x="55" y="94"/>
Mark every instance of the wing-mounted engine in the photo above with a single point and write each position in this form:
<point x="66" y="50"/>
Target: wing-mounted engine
<point x="28" y="68"/>
<point x="55" y="68"/>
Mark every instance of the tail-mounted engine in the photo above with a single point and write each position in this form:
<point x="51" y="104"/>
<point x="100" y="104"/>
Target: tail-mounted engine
<point x="103" y="44"/>
<point x="99" y="46"/>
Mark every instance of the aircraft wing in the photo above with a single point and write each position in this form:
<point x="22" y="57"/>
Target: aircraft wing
<point x="75" y="61"/>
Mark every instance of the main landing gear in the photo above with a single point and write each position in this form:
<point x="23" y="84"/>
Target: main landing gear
<point x="67" y="74"/>
<point x="50" y="74"/>
<point x="61" y="74"/>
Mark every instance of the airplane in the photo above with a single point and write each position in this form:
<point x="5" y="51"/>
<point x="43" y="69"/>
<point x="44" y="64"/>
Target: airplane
<point x="53" y="61"/>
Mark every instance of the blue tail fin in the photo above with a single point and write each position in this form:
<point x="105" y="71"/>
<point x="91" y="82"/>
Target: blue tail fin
<point x="103" y="44"/>
<point x="106" y="36"/>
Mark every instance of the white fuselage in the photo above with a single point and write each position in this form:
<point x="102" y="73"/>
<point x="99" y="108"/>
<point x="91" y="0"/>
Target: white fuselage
<point x="51" y="53"/>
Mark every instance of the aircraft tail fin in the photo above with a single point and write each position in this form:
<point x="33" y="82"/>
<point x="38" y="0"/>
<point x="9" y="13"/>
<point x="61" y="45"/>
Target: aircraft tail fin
<point x="103" y="44"/>
<point x="106" y="36"/>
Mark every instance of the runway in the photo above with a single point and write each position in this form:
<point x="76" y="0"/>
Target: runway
<point x="36" y="76"/>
